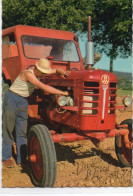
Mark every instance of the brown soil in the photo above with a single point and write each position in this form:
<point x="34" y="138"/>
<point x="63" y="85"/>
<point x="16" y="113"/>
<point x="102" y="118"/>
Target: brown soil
<point x="81" y="164"/>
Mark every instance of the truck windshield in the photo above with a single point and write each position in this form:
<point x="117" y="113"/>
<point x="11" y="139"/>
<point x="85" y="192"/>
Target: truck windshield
<point x="40" y="47"/>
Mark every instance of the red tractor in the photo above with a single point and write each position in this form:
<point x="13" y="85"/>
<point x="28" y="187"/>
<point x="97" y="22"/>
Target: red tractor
<point x="89" y="112"/>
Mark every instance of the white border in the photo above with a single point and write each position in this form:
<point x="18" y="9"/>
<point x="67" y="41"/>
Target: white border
<point x="56" y="191"/>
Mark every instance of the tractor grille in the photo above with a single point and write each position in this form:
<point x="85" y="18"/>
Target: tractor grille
<point x="89" y="103"/>
<point x="112" y="98"/>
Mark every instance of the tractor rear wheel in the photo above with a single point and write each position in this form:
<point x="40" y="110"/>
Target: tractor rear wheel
<point x="42" y="156"/>
<point x="124" y="154"/>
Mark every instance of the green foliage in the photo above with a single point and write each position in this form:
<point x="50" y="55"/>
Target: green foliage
<point x="125" y="84"/>
<point x="112" y="27"/>
<point x="121" y="92"/>
<point x="56" y="14"/>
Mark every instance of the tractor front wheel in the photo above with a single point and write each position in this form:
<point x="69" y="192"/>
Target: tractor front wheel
<point x="42" y="156"/>
<point x="124" y="154"/>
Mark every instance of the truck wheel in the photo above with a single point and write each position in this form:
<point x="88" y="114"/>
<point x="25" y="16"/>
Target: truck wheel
<point x="124" y="154"/>
<point x="41" y="148"/>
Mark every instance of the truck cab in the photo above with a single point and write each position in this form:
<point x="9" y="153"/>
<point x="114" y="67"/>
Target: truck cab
<point x="24" y="45"/>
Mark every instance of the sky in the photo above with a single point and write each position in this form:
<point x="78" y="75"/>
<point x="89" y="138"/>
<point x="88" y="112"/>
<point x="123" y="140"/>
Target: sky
<point x="122" y="65"/>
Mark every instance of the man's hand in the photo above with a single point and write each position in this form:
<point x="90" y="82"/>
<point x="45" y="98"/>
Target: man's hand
<point x="62" y="72"/>
<point x="66" y="93"/>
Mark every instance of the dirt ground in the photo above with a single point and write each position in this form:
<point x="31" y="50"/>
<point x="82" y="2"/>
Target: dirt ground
<point x="81" y="164"/>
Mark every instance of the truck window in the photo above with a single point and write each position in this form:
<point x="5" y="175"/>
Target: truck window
<point x="41" y="47"/>
<point x="9" y="47"/>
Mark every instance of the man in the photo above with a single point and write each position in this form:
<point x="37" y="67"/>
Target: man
<point x="15" y="108"/>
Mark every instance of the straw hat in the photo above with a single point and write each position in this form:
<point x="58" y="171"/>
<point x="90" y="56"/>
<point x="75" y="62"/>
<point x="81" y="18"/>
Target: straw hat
<point x="43" y="65"/>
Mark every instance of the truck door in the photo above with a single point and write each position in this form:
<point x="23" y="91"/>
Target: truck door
<point x="10" y="56"/>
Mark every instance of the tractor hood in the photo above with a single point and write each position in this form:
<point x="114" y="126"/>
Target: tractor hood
<point x="92" y="75"/>
<point x="85" y="75"/>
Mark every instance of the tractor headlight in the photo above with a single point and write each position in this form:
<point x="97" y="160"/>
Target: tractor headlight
<point x="127" y="101"/>
<point x="70" y="101"/>
<point x="62" y="100"/>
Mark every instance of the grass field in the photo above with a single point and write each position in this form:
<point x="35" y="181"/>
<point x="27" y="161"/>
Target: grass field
<point x="121" y="92"/>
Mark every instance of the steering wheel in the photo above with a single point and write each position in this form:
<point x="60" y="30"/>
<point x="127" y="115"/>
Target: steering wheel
<point x="73" y="69"/>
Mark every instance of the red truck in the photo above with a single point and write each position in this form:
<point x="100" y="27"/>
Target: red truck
<point x="89" y="112"/>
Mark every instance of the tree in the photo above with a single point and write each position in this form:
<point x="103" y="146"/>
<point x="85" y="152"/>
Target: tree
<point x="112" y="28"/>
<point x="56" y="14"/>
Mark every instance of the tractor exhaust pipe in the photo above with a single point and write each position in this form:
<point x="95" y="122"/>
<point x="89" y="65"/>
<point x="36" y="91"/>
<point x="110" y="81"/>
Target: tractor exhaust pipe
<point x="89" y="47"/>
<point x="89" y="28"/>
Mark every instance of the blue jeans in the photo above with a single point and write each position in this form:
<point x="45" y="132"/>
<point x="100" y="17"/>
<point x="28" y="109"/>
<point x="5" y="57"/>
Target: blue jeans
<point x="14" y="116"/>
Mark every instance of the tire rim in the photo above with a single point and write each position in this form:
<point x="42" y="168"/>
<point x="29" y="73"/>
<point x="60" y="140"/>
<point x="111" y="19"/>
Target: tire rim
<point x="37" y="167"/>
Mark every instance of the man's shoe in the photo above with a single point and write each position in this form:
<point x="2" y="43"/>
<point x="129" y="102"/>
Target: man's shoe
<point x="8" y="163"/>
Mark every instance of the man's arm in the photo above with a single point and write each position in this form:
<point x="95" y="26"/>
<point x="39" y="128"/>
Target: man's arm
<point x="61" y="72"/>
<point x="30" y="77"/>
